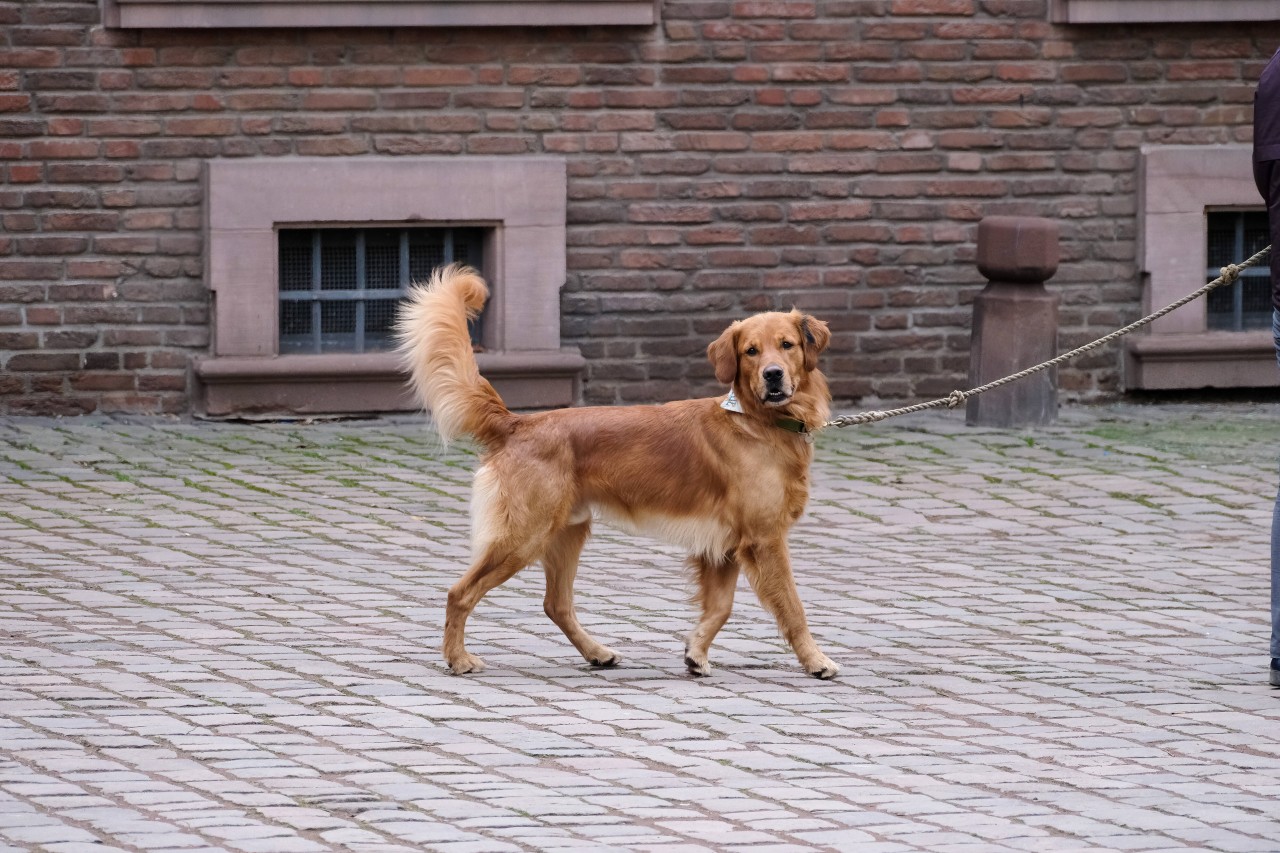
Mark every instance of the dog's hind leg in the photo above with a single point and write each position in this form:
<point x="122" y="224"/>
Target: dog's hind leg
<point x="506" y="536"/>
<point x="716" y="581"/>
<point x="769" y="569"/>
<point x="561" y="566"/>
<point x="490" y="570"/>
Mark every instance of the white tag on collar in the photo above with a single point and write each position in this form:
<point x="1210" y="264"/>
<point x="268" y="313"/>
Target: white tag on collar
<point x="731" y="404"/>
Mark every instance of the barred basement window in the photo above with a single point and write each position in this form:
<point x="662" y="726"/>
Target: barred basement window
<point x="339" y="287"/>
<point x="1246" y="304"/>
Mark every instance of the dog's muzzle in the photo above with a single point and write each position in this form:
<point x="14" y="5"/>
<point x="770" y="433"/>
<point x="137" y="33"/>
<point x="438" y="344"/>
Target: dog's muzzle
<point x="775" y="390"/>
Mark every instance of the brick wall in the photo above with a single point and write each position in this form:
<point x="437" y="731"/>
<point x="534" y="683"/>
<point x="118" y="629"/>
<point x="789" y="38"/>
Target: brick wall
<point x="740" y="156"/>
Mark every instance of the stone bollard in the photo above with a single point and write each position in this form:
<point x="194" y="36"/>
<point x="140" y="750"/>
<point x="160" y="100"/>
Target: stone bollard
<point x="1015" y="322"/>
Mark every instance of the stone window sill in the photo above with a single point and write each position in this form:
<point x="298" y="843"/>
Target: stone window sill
<point x="351" y="383"/>
<point x="290" y="14"/>
<point x="1206" y="360"/>
<point x="1161" y="11"/>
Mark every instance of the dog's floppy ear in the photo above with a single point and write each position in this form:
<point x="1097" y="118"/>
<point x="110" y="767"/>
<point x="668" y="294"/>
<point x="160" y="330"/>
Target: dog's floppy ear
<point x="816" y="337"/>
<point x="723" y="355"/>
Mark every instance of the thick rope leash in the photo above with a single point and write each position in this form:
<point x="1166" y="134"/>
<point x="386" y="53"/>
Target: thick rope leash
<point x="1230" y="273"/>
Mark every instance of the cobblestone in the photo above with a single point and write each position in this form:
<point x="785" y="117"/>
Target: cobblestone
<point x="225" y="637"/>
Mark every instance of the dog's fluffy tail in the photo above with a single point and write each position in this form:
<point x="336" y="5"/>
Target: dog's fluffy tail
<point x="435" y="343"/>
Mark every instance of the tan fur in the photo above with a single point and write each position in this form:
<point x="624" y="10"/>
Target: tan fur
<point x="725" y="486"/>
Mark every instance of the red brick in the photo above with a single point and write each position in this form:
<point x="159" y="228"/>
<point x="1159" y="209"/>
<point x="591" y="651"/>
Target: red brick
<point x="141" y="220"/>
<point x="162" y="381"/>
<point x="775" y="9"/>
<point x="331" y="146"/>
<point x="25" y="173"/>
<point x="1021" y="71"/>
<point x="124" y="127"/>
<point x="109" y="244"/>
<point x="95" y="268"/>
<point x="42" y="362"/>
<point x="329" y="100"/>
<point x="783" y="235"/>
<point x="439" y="76"/>
<point x="489" y="99"/>
<point x="19" y="270"/>
<point x="306" y="76"/>
<point x="133" y="102"/>
<point x="1018" y="49"/>
<point x="168" y="150"/>
<point x="63" y="149"/>
<point x="114" y="81"/>
<point x="1204" y="70"/>
<point x="237" y="78"/>
<point x="992" y="94"/>
<point x="22" y="293"/>
<point x="364" y="76"/>
<point x="171" y="359"/>
<point x="541" y="75"/>
<point x="402" y="145"/>
<point x="401" y="100"/>
<point x="103" y="381"/>
<point x="30" y="57"/>
<point x="175" y="78"/>
<point x="83" y="173"/>
<point x="1095" y="72"/>
<point x="82" y="221"/>
<point x="117" y="149"/>
<point x="17" y="222"/>
<point x="811" y="73"/>
<point x="931" y="7"/>
<point x="829" y="210"/>
<point x="18" y="340"/>
<point x="58" y="404"/>
<point x="46" y="244"/>
<point x="138" y="56"/>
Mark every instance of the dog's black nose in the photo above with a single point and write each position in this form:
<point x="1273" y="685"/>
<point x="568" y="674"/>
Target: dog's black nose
<point x="773" y="375"/>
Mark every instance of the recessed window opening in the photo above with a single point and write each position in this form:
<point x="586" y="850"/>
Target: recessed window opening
<point x="1246" y="304"/>
<point x="339" y="287"/>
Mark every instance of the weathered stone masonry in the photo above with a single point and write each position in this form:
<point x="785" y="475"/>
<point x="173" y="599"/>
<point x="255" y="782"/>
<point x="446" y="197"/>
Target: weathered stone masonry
<point x="738" y="156"/>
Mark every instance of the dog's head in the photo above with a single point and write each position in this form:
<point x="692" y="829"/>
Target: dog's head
<point x="768" y="358"/>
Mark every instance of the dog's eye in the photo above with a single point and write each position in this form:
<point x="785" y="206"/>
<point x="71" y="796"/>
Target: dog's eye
<point x="787" y="345"/>
<point x="752" y="351"/>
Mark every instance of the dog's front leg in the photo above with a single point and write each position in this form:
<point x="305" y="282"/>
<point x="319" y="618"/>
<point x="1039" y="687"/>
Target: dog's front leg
<point x="716" y="581"/>
<point x="768" y="567"/>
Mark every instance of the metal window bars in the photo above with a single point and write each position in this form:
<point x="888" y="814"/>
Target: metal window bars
<point x="1246" y="304"/>
<point x="339" y="287"/>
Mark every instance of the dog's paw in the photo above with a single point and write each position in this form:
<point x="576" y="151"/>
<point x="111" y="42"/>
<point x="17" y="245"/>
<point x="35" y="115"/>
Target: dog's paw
<point x="605" y="658"/>
<point x="466" y="663"/>
<point x="700" y="668"/>
<point x="824" y="668"/>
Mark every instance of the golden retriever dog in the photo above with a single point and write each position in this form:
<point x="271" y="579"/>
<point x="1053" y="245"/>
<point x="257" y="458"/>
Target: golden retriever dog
<point x="724" y="478"/>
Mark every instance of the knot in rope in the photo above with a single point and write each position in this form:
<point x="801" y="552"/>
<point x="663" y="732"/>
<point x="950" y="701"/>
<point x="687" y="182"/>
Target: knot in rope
<point x="1230" y="273"/>
<point x="956" y="398"/>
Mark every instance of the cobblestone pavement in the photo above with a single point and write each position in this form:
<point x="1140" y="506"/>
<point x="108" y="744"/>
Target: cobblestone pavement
<point x="226" y="637"/>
